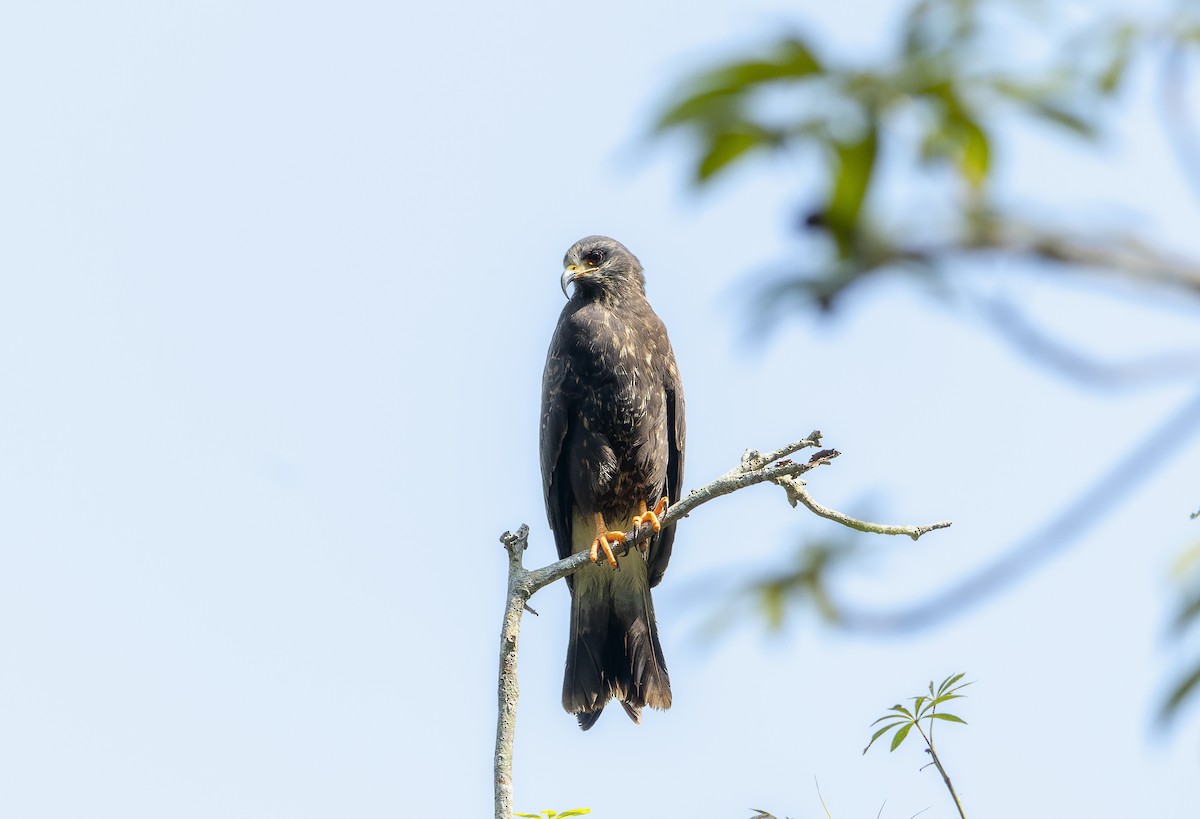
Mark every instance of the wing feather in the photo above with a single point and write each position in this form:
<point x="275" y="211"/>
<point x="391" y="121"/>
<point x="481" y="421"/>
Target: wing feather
<point x="660" y="551"/>
<point x="556" y="482"/>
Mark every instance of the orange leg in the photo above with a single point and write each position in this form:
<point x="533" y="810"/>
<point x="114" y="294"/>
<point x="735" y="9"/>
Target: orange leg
<point x="602" y="541"/>
<point x="650" y="515"/>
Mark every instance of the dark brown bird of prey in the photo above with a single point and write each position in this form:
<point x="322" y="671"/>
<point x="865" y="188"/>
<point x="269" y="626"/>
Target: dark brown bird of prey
<point x="612" y="459"/>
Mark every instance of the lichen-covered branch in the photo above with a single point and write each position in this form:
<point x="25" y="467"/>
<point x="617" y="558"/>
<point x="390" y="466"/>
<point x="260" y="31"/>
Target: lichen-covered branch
<point x="506" y="721"/>
<point x="774" y="467"/>
<point x="798" y="494"/>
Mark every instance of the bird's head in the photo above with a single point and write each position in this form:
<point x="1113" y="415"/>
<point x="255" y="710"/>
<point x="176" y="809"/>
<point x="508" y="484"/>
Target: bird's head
<point x="601" y="267"/>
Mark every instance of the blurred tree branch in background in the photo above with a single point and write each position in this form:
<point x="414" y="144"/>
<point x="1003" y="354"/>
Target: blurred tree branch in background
<point x="935" y="111"/>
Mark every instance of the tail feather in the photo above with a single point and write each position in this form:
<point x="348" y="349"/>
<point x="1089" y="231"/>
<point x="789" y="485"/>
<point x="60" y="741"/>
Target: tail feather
<point x="644" y="680"/>
<point x="588" y="718"/>
<point x="614" y="649"/>
<point x="587" y="684"/>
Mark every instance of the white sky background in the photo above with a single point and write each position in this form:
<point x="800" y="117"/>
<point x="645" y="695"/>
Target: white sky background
<point x="276" y="284"/>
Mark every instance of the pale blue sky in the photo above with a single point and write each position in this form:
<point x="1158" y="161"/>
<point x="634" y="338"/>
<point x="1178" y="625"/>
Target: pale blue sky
<point x="276" y="284"/>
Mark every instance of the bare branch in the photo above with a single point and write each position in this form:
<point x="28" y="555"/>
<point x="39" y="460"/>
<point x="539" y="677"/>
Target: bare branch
<point x="1125" y="257"/>
<point x="539" y="578"/>
<point x="753" y="469"/>
<point x="797" y="493"/>
<point x="1120" y="256"/>
<point x="813" y="439"/>
<point x="506" y="721"/>
<point x="1006" y="319"/>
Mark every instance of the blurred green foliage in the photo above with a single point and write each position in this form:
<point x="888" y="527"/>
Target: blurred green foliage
<point x="1187" y="618"/>
<point x="956" y="71"/>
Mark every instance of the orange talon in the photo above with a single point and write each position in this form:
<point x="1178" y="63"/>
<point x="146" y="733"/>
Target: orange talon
<point x="650" y="515"/>
<point x="601" y="543"/>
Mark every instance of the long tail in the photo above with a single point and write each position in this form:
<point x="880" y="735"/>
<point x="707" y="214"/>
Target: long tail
<point x="614" y="649"/>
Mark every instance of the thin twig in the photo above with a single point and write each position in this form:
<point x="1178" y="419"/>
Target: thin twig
<point x="797" y="493"/>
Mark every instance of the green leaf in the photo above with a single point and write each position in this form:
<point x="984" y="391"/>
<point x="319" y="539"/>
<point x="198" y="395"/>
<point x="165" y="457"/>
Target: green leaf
<point x="900" y="735"/>
<point x="855" y="164"/>
<point x="1182" y="691"/>
<point x="976" y="154"/>
<point x="771" y="598"/>
<point x="947" y="717"/>
<point x="714" y="100"/>
<point x="724" y="149"/>
<point x="949" y="681"/>
<point x="1123" y="40"/>
<point x="574" y="812"/>
<point x="1017" y="92"/>
<point x="953" y="692"/>
<point x="1059" y="115"/>
<point x="1047" y="101"/>
<point x="942" y="92"/>
<point x="917" y="703"/>
<point x="916" y="29"/>
<point x="956" y="135"/>
<point x="792" y="60"/>
<point x="1187" y="614"/>
<point x="719" y="105"/>
<point x="900" y="709"/>
<point x="952" y="680"/>
<point x="881" y="732"/>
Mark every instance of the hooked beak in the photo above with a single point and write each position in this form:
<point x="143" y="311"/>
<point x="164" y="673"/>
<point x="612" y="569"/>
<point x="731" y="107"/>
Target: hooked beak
<point x="569" y="275"/>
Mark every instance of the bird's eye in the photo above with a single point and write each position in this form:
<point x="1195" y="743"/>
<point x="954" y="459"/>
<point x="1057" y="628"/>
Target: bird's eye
<point x="594" y="257"/>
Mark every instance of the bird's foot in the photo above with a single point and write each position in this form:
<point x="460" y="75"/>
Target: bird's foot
<point x="649" y="516"/>
<point x="603" y="541"/>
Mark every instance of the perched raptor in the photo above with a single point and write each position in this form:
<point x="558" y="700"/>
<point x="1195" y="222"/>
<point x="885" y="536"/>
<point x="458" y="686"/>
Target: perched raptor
<point x="612" y="459"/>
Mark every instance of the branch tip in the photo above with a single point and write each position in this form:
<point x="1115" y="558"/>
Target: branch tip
<point x="796" y="493"/>
<point x="521" y="537"/>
